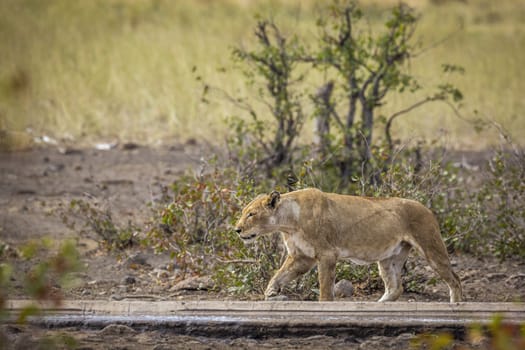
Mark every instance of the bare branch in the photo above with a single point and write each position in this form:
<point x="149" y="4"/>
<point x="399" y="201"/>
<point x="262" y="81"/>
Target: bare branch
<point x="236" y="261"/>
<point x="390" y="120"/>
<point x="235" y="101"/>
<point x="438" y="42"/>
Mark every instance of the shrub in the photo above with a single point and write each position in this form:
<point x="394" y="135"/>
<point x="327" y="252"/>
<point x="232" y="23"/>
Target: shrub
<point x="195" y="219"/>
<point x="501" y="198"/>
<point x="93" y="217"/>
<point x="195" y="223"/>
<point x="361" y="70"/>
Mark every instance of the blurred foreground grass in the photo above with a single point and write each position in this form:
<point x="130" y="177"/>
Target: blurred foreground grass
<point x="130" y="69"/>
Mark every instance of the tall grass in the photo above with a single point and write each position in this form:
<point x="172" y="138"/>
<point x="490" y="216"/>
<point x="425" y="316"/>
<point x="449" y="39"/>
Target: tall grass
<point x="135" y="69"/>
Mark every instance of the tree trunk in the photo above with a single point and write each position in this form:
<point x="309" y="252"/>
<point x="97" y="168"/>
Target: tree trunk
<point x="322" y="120"/>
<point x="368" y="124"/>
<point x="347" y="159"/>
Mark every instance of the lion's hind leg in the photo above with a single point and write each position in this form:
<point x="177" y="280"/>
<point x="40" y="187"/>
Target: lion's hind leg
<point x="437" y="257"/>
<point x="441" y="264"/>
<point x="390" y="271"/>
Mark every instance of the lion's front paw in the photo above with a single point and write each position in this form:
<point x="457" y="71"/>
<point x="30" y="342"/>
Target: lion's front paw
<point x="271" y="291"/>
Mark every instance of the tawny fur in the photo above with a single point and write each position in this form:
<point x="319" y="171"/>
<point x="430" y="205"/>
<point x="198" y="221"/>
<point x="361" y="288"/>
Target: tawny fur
<point x="322" y="228"/>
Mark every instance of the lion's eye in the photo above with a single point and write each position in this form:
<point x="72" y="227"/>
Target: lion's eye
<point x="250" y="215"/>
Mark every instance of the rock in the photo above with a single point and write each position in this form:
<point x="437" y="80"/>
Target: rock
<point x="344" y="289"/>
<point x="69" y="151"/>
<point x="128" y="146"/>
<point x="10" y="329"/>
<point x="55" y="167"/>
<point x="194" y="283"/>
<point x="382" y="342"/>
<point x="106" y="146"/>
<point x="137" y="259"/>
<point x="117" y="329"/>
<point x="161" y="273"/>
<point x="129" y="280"/>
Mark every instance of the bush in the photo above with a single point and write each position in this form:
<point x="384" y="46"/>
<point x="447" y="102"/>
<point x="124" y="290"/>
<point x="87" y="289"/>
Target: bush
<point x="360" y="68"/>
<point x="501" y="198"/>
<point x="195" y="223"/>
<point x="94" y="218"/>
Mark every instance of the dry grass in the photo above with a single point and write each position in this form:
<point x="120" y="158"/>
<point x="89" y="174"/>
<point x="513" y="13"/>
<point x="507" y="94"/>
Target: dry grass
<point x="129" y="68"/>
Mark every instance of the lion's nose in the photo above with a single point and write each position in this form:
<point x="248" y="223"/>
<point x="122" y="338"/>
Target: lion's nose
<point x="238" y="230"/>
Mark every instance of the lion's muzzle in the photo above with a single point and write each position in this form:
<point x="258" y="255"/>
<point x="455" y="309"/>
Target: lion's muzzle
<point x="245" y="237"/>
<point x="249" y="237"/>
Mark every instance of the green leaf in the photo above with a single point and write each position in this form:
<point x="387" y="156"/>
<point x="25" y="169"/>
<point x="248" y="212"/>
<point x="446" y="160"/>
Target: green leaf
<point x="6" y="270"/>
<point x="31" y="310"/>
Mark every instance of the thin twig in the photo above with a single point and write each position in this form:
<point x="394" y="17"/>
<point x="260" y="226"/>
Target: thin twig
<point x="401" y="112"/>
<point x="236" y="261"/>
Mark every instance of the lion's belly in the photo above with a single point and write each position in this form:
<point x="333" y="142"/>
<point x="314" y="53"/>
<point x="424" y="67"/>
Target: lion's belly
<point x="365" y="255"/>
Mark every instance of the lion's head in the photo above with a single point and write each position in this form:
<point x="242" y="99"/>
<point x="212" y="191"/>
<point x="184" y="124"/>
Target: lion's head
<point x="258" y="217"/>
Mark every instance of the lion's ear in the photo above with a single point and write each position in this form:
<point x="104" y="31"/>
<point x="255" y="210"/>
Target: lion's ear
<point x="273" y="199"/>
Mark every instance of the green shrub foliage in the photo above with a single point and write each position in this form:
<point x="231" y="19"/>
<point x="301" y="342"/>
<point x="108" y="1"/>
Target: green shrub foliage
<point x="194" y="222"/>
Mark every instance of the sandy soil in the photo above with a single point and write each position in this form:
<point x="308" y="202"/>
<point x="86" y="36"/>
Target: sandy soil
<point x="37" y="185"/>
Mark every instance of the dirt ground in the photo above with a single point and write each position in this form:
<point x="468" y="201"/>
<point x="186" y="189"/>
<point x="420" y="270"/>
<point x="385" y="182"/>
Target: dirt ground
<point x="36" y="185"/>
<point x="121" y="337"/>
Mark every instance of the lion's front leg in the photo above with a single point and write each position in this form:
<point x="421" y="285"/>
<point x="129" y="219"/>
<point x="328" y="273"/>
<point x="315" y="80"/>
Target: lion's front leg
<point x="327" y="278"/>
<point x="293" y="267"/>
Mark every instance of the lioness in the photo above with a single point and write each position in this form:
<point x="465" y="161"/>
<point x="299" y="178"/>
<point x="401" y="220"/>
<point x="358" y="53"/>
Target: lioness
<point x="321" y="228"/>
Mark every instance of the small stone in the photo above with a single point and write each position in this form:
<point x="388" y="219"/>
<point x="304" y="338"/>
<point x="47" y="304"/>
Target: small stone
<point x="344" y="289"/>
<point x="161" y="273"/>
<point x="10" y="329"/>
<point x="194" y="283"/>
<point x="117" y="329"/>
<point x="128" y="146"/>
<point x="69" y="151"/>
<point x="137" y="259"/>
<point x="129" y="280"/>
